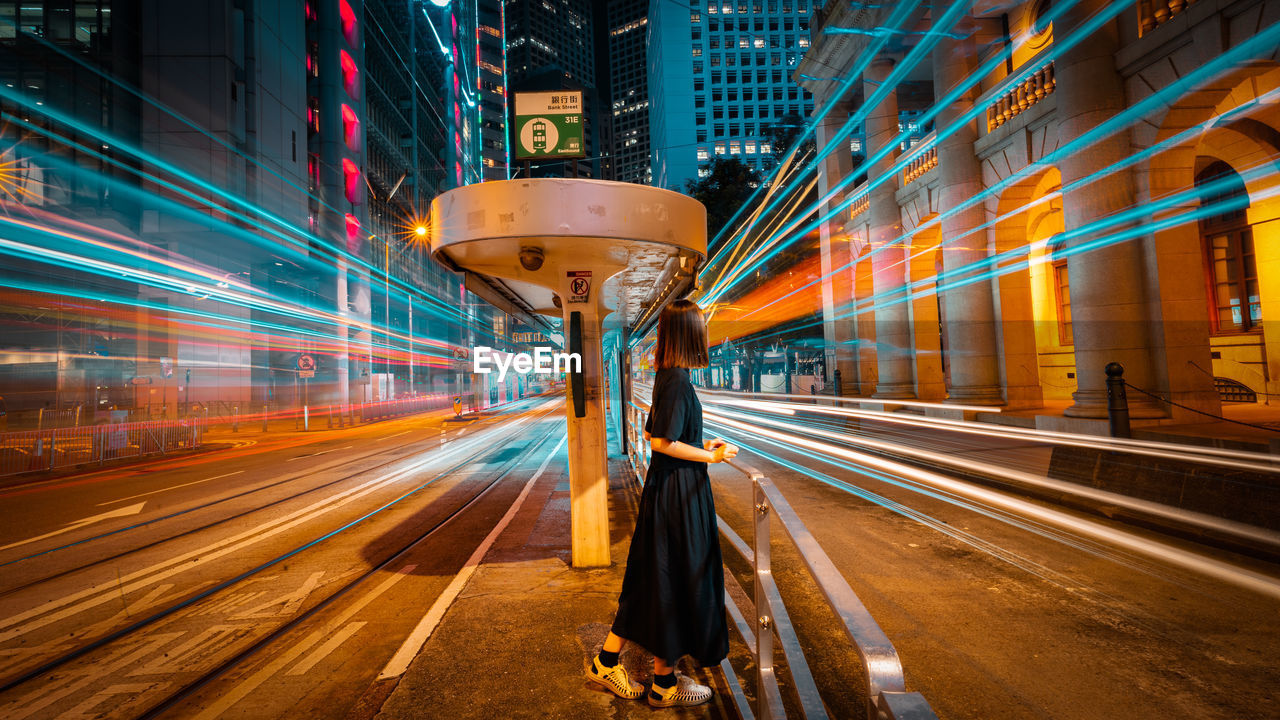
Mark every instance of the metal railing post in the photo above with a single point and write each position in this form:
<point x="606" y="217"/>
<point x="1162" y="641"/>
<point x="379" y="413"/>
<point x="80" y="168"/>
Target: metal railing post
<point x="1117" y="401"/>
<point x="766" y="681"/>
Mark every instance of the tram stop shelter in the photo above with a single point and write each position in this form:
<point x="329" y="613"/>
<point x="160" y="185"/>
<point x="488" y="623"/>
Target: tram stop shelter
<point x="602" y="256"/>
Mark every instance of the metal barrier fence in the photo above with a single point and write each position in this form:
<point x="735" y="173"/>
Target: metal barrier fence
<point x="395" y="408"/>
<point x="887" y="696"/>
<point x="35" y="450"/>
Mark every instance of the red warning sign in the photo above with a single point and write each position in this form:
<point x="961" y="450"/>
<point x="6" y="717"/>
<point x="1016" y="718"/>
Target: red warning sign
<point x="579" y="285"/>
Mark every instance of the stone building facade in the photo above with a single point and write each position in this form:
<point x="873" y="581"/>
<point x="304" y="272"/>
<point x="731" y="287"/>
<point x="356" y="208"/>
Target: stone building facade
<point x="1099" y="186"/>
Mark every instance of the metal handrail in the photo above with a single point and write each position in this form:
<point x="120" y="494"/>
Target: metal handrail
<point x="887" y="696"/>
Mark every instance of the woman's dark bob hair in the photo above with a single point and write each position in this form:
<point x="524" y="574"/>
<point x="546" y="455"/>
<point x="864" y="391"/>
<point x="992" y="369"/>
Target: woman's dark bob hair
<point x="682" y="336"/>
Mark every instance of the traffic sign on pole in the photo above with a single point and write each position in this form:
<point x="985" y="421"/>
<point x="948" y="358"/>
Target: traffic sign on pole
<point x="549" y="125"/>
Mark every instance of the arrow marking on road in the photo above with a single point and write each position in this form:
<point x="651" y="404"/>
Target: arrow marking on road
<point x="120" y="512"/>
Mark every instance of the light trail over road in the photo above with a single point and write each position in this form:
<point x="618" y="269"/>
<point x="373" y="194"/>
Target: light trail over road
<point x="996" y="599"/>
<point x="222" y="574"/>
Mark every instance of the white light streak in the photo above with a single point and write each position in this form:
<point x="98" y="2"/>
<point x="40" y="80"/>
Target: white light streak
<point x="1193" y="562"/>
<point x="1237" y="459"/>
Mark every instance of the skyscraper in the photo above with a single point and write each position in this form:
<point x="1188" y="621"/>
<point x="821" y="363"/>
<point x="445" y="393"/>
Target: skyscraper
<point x="493" y="89"/>
<point x="551" y="46"/>
<point x="628" y="31"/>
<point x="720" y="76"/>
<point x="281" y="149"/>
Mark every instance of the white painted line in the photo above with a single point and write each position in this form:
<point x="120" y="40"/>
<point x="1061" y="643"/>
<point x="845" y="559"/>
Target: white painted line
<point x="108" y="591"/>
<point x="251" y="683"/>
<point x="324" y="650"/>
<point x="175" y="487"/>
<point x="388" y="437"/>
<point x="121" y="512"/>
<point x="322" y="452"/>
<point x="413" y="644"/>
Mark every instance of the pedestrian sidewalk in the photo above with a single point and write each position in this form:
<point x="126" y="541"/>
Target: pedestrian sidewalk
<point x="516" y="641"/>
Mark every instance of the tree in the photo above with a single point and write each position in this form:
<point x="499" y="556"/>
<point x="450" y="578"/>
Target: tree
<point x="783" y="134"/>
<point x="725" y="189"/>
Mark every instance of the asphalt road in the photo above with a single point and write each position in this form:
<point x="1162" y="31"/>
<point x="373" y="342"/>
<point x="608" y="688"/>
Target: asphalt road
<point x="273" y="579"/>
<point x="996" y="614"/>
<point x="278" y="578"/>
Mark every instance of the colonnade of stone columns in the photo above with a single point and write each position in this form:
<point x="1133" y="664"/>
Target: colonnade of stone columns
<point x="1109" y="294"/>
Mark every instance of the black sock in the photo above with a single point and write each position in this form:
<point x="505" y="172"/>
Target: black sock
<point x="608" y="659"/>
<point x="665" y="681"/>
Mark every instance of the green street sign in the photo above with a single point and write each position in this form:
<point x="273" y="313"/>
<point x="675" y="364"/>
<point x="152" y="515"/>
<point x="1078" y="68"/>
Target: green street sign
<point x="549" y="125"/>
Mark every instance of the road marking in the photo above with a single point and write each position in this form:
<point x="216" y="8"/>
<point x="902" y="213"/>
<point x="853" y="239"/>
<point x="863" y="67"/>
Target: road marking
<point x="96" y="595"/>
<point x="226" y="700"/>
<point x="198" y="653"/>
<point x="61" y="686"/>
<point x="322" y="452"/>
<point x="324" y="650"/>
<point x="175" y="487"/>
<point x="90" y="708"/>
<point x="121" y="512"/>
<point x="418" y="638"/>
<point x="406" y="432"/>
<point x="283" y="606"/>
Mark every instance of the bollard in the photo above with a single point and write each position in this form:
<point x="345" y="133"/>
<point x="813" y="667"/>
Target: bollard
<point x="264" y="418"/>
<point x="235" y="419"/>
<point x="1117" y="402"/>
<point x="839" y="390"/>
<point x="329" y="417"/>
<point x="306" y="418"/>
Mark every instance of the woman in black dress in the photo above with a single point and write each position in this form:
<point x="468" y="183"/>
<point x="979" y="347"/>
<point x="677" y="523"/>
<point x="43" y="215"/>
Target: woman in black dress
<point x="672" y="601"/>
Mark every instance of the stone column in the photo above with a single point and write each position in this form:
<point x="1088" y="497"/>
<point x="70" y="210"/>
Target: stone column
<point x="837" y="274"/>
<point x="889" y="261"/>
<point x="1108" y="285"/>
<point x="969" y="309"/>
<point x="865" y="327"/>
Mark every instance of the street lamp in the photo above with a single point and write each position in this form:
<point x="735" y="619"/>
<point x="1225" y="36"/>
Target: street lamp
<point x="419" y="232"/>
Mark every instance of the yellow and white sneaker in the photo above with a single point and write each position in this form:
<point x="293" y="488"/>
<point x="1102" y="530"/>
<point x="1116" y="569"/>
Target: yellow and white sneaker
<point x="615" y="679"/>
<point x="684" y="693"/>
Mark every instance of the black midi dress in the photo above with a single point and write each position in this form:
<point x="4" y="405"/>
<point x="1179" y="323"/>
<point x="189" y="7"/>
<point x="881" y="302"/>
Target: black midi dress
<point x="672" y="601"/>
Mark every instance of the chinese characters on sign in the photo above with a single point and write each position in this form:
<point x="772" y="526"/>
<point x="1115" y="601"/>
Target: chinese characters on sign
<point x="579" y="285"/>
<point x="549" y="125"/>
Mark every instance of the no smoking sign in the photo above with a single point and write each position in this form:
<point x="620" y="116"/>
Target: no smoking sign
<point x="579" y="285"/>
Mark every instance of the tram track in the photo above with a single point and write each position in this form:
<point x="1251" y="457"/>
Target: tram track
<point x="298" y="622"/>
<point x="5" y="592"/>
<point x="193" y="602"/>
